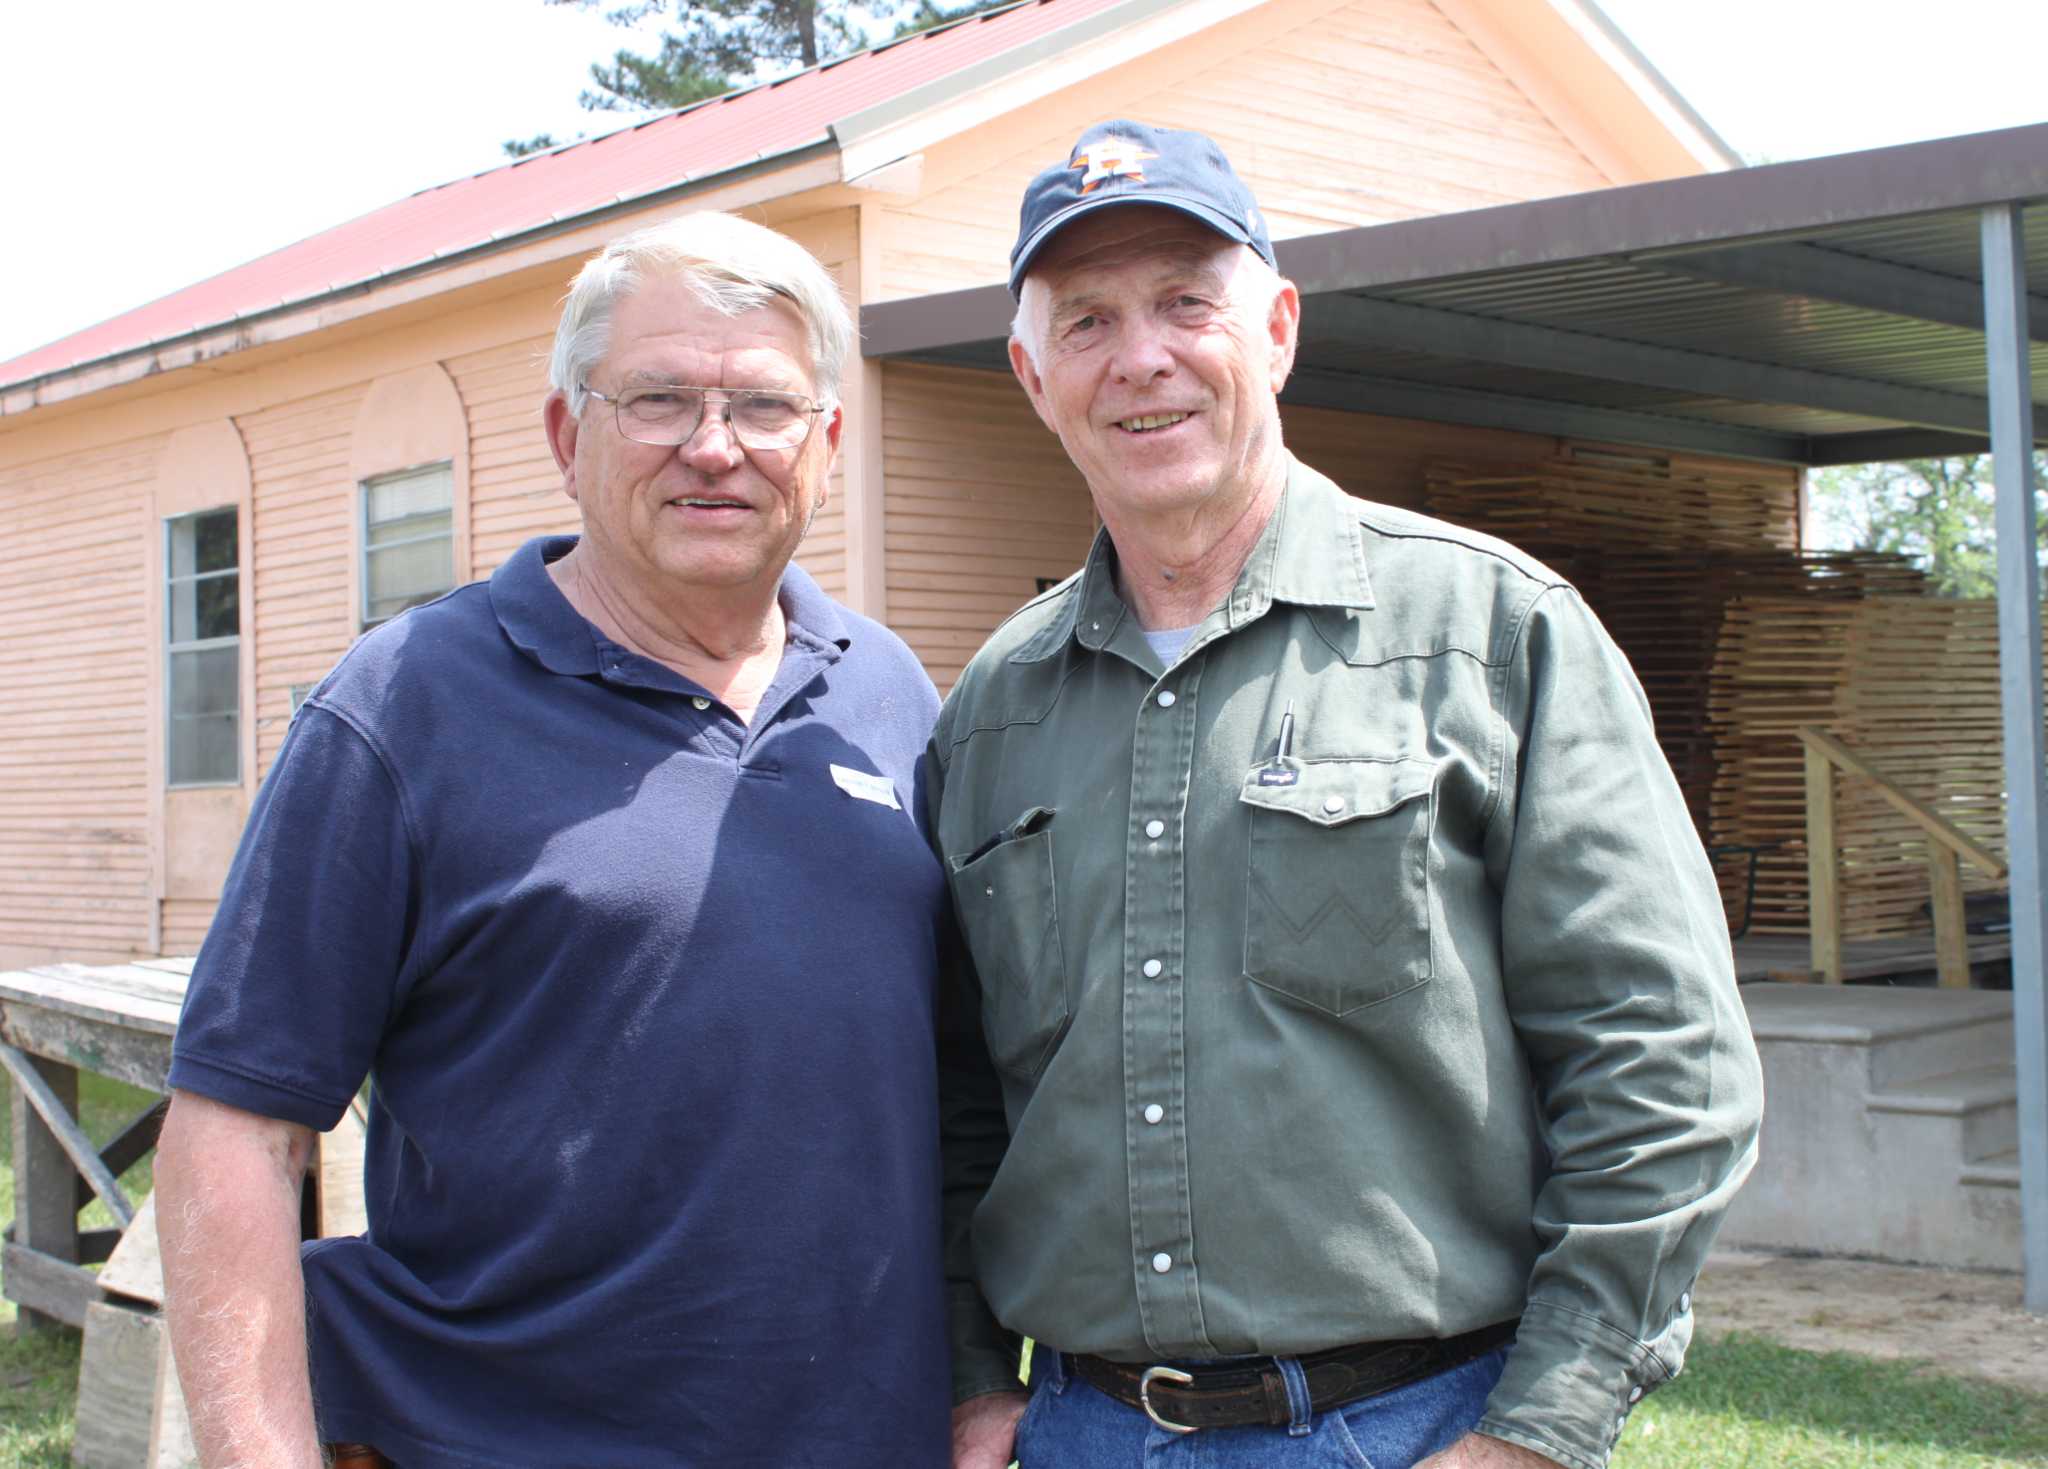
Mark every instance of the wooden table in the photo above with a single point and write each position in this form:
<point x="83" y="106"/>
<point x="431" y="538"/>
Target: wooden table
<point x="55" y="1021"/>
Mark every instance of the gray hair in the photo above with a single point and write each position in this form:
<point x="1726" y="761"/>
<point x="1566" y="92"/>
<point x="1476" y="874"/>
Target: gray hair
<point x="1028" y="324"/>
<point x="732" y="264"/>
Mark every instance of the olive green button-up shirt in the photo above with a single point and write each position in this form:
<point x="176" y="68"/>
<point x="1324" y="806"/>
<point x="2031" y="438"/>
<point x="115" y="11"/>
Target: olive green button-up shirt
<point x="1358" y="977"/>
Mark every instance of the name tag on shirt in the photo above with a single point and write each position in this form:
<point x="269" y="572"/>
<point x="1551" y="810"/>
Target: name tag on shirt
<point x="864" y="787"/>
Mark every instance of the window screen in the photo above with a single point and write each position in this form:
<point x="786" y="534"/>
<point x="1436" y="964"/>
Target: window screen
<point x="408" y="540"/>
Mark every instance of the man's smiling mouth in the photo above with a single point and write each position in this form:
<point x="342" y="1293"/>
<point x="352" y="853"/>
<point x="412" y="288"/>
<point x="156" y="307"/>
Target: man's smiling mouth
<point x="1145" y="423"/>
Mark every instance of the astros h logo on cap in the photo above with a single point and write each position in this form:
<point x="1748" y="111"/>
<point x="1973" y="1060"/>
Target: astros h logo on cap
<point x="1108" y="158"/>
<point x="1134" y="163"/>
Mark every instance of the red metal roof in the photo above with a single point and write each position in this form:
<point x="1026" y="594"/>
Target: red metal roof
<point x="763" y="122"/>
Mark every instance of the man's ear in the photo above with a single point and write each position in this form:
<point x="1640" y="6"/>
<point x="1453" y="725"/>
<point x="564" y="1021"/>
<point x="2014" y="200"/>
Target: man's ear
<point x="835" y="427"/>
<point x="1034" y="386"/>
<point x="1283" y="329"/>
<point x="562" y="427"/>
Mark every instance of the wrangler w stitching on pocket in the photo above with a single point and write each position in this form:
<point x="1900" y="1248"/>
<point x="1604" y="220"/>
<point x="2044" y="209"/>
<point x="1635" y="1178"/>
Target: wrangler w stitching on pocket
<point x="1337" y="886"/>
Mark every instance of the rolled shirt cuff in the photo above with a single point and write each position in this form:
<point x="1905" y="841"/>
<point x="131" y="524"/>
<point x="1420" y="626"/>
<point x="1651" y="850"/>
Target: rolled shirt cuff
<point x="1571" y="1381"/>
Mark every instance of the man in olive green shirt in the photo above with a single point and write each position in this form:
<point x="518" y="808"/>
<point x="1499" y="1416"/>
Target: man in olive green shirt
<point x="1348" y="983"/>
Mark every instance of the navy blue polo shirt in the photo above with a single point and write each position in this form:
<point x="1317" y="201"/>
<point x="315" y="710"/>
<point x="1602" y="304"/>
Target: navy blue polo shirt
<point x="647" y="996"/>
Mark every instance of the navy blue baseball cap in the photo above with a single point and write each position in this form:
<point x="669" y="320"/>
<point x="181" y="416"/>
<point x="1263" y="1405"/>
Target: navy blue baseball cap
<point x="1132" y="163"/>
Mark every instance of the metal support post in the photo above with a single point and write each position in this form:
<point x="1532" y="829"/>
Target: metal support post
<point x="2019" y="662"/>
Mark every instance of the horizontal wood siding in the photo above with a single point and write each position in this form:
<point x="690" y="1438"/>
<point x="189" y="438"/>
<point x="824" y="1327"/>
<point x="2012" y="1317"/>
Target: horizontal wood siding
<point x="185" y="923"/>
<point x="304" y="502"/>
<point x="515" y="491"/>
<point x="74" y="685"/>
<point x="1380" y="110"/>
<point x="981" y="502"/>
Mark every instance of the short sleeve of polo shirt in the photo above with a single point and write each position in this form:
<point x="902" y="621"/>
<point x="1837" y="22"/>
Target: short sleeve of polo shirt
<point x="302" y="967"/>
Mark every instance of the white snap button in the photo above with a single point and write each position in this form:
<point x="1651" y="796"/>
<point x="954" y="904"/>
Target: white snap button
<point x="989" y="889"/>
<point x="1155" y="1114"/>
<point x="1155" y="829"/>
<point x="698" y="701"/>
<point x="1166" y="698"/>
<point x="1153" y="968"/>
<point x="1685" y="1301"/>
<point x="1332" y="805"/>
<point x="1162" y="1262"/>
<point x="1635" y="1395"/>
<point x="1095" y="627"/>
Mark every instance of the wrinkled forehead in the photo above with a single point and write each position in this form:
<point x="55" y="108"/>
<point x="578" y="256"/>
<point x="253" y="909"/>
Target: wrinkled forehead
<point x="1112" y="239"/>
<point x="674" y="313"/>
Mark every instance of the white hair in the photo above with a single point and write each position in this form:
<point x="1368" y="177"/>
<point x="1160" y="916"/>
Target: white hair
<point x="732" y="264"/>
<point x="1027" y="326"/>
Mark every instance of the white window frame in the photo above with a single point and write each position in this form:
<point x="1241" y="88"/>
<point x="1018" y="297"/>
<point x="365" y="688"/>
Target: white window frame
<point x="172" y="647"/>
<point x="443" y="467"/>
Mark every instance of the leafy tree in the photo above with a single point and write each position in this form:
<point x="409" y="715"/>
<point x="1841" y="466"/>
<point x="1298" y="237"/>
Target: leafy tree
<point x="708" y="49"/>
<point x="1937" y="511"/>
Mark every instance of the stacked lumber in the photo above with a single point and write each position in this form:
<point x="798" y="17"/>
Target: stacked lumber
<point x="1656" y="553"/>
<point x="1568" y="510"/>
<point x="1910" y="683"/>
<point x="1739" y="638"/>
<point x="1668" y="613"/>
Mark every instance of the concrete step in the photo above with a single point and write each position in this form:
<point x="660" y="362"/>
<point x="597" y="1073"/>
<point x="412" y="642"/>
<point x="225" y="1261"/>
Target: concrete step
<point x="1901" y="1058"/>
<point x="1981" y="1102"/>
<point x="1879" y="1100"/>
<point x="2000" y="1170"/>
<point x="1904" y="1033"/>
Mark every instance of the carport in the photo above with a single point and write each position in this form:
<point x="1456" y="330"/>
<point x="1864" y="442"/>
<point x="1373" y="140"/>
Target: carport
<point x="1871" y="306"/>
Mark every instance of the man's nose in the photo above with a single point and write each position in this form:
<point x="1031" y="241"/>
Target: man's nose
<point x="1141" y="353"/>
<point x="712" y="446"/>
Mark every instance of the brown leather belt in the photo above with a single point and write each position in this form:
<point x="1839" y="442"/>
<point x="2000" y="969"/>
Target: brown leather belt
<point x="356" y="1456"/>
<point x="1239" y="1396"/>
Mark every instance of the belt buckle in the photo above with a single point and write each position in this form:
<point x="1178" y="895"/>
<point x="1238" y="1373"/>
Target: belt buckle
<point x="1167" y="1374"/>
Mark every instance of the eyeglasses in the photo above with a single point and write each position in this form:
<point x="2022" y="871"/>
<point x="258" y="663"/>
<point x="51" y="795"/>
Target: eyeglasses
<point x="760" y="418"/>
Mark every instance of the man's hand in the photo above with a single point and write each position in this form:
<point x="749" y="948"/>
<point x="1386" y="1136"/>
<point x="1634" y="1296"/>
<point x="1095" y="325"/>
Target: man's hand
<point x="1473" y="1451"/>
<point x="985" y="1430"/>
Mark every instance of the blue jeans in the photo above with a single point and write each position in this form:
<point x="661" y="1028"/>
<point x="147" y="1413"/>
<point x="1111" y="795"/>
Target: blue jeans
<point x="1069" y="1425"/>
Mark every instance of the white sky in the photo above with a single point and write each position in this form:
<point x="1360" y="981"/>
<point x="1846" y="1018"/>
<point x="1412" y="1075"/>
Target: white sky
<point x="151" y="145"/>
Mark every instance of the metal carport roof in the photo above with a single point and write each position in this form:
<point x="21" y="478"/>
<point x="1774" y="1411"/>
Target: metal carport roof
<point x="1822" y="312"/>
<point x="1868" y="306"/>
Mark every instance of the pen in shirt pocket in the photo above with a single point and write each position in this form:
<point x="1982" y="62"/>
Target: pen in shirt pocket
<point x="1037" y="819"/>
<point x="1283" y="769"/>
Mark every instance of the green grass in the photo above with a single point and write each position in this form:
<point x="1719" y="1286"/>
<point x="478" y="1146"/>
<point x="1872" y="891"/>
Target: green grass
<point x="39" y="1373"/>
<point x="1743" y="1402"/>
<point x="38" y="1379"/>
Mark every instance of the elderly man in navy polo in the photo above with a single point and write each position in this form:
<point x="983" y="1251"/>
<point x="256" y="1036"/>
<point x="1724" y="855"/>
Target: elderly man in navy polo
<point x="608" y="873"/>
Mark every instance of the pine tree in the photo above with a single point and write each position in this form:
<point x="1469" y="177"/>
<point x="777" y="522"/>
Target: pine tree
<point x="708" y="49"/>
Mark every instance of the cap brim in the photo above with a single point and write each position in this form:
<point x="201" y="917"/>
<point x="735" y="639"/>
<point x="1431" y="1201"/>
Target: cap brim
<point x="1193" y="208"/>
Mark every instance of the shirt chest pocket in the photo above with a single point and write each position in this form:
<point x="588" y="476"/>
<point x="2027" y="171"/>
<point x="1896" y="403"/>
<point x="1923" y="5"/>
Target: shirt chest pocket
<point x="1010" y="915"/>
<point x="1337" y="895"/>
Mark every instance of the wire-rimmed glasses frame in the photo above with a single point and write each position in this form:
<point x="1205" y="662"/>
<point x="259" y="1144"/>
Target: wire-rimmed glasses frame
<point x="765" y="419"/>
